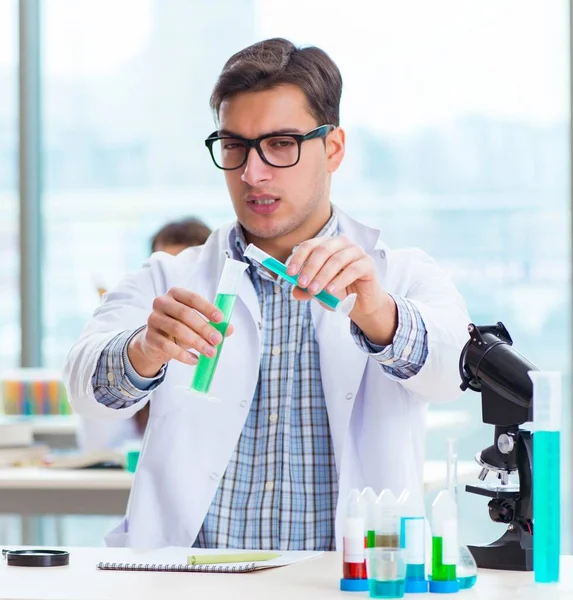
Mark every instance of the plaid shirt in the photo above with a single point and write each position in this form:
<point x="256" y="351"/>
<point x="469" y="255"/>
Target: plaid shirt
<point x="280" y="488"/>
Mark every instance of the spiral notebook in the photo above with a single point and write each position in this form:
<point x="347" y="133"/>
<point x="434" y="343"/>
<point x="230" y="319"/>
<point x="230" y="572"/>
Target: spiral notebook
<point x="174" y="559"/>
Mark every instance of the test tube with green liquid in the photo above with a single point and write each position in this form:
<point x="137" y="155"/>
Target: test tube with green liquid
<point x="546" y="475"/>
<point x="445" y="547"/>
<point x="278" y="268"/>
<point x="227" y="292"/>
<point x="369" y="498"/>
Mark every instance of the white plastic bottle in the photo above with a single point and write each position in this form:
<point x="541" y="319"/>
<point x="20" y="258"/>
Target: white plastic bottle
<point x="445" y="546"/>
<point x="413" y="539"/>
<point x="387" y="520"/>
<point x="354" y="556"/>
<point x="369" y="499"/>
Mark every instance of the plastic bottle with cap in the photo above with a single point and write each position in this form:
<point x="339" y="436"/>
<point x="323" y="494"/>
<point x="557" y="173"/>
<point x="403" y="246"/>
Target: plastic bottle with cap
<point x="413" y="540"/>
<point x="369" y="499"/>
<point x="354" y="558"/>
<point x="445" y="548"/>
<point x="387" y="520"/>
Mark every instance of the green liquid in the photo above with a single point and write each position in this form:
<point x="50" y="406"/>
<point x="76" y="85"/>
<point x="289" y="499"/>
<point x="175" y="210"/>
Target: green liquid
<point x="206" y="366"/>
<point x="440" y="571"/>
<point x="277" y="267"/>
<point x="371" y="539"/>
<point x="546" y="494"/>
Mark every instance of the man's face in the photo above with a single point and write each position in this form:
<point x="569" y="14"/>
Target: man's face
<point x="275" y="203"/>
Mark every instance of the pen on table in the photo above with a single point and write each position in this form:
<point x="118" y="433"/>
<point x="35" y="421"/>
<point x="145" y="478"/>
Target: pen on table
<point x="213" y="559"/>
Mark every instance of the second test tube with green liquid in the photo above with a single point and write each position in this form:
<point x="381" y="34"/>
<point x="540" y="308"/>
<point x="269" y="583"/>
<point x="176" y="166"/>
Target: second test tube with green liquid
<point x="225" y="301"/>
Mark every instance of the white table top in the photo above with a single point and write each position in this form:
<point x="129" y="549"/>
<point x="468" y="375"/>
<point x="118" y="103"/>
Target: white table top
<point x="315" y="579"/>
<point x="37" y="478"/>
<point x="32" y="478"/>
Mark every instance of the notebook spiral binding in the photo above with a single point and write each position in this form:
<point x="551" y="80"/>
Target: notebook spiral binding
<point x="112" y="566"/>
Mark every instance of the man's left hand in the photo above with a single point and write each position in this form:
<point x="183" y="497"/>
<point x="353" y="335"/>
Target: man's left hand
<point x="341" y="267"/>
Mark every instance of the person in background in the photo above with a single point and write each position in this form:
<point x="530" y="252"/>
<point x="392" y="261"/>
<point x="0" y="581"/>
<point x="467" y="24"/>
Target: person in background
<point x="102" y="434"/>
<point x="174" y="237"/>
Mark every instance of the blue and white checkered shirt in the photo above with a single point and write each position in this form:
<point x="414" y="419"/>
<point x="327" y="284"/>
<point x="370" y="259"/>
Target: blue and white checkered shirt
<point x="280" y="488"/>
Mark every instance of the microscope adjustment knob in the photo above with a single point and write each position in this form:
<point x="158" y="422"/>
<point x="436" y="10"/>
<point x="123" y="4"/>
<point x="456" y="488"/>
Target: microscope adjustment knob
<point x="483" y="474"/>
<point x="505" y="443"/>
<point x="501" y="511"/>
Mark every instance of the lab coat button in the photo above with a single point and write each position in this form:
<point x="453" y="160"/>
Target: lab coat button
<point x="349" y="396"/>
<point x="214" y="476"/>
<point x="382" y="254"/>
<point x="244" y="403"/>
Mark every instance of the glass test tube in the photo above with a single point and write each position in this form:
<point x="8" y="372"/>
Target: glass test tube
<point x="354" y="557"/>
<point x="546" y="475"/>
<point x="387" y="520"/>
<point x="227" y="292"/>
<point x="278" y="268"/>
<point x="445" y="548"/>
<point x="369" y="499"/>
<point x="413" y="539"/>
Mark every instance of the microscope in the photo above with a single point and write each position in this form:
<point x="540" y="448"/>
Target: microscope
<point x="490" y="365"/>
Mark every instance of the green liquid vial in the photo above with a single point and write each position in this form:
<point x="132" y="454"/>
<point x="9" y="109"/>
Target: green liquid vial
<point x="206" y="366"/>
<point x="440" y="571"/>
<point x="371" y="539"/>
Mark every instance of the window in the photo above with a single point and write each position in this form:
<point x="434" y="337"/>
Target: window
<point x="9" y="241"/>
<point x="124" y="124"/>
<point x="457" y="124"/>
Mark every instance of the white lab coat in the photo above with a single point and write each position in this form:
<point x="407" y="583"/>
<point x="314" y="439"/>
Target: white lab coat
<point x="377" y="421"/>
<point x="97" y="434"/>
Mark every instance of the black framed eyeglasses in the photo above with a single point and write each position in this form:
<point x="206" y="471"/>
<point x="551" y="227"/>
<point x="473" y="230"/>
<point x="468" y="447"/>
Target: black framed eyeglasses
<point x="276" y="150"/>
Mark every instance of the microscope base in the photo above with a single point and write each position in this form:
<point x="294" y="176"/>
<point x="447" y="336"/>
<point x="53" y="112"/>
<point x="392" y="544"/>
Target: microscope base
<point x="512" y="552"/>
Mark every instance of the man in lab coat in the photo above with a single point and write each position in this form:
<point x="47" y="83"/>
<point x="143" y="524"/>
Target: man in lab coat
<point x="312" y="403"/>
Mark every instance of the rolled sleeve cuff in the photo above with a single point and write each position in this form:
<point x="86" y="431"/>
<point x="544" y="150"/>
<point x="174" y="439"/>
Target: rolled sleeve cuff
<point x="116" y="383"/>
<point x="407" y="353"/>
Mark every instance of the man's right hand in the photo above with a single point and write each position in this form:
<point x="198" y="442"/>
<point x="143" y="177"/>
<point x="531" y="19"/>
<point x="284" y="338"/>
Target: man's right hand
<point x="178" y="324"/>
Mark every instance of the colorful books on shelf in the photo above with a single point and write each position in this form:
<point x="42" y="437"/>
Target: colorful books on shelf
<point x="33" y="392"/>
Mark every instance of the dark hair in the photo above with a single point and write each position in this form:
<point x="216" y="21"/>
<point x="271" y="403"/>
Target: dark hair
<point x="187" y="232"/>
<point x="274" y="62"/>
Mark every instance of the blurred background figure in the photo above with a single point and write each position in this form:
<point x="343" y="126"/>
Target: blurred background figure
<point x="174" y="237"/>
<point x="105" y="434"/>
<point x="178" y="235"/>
